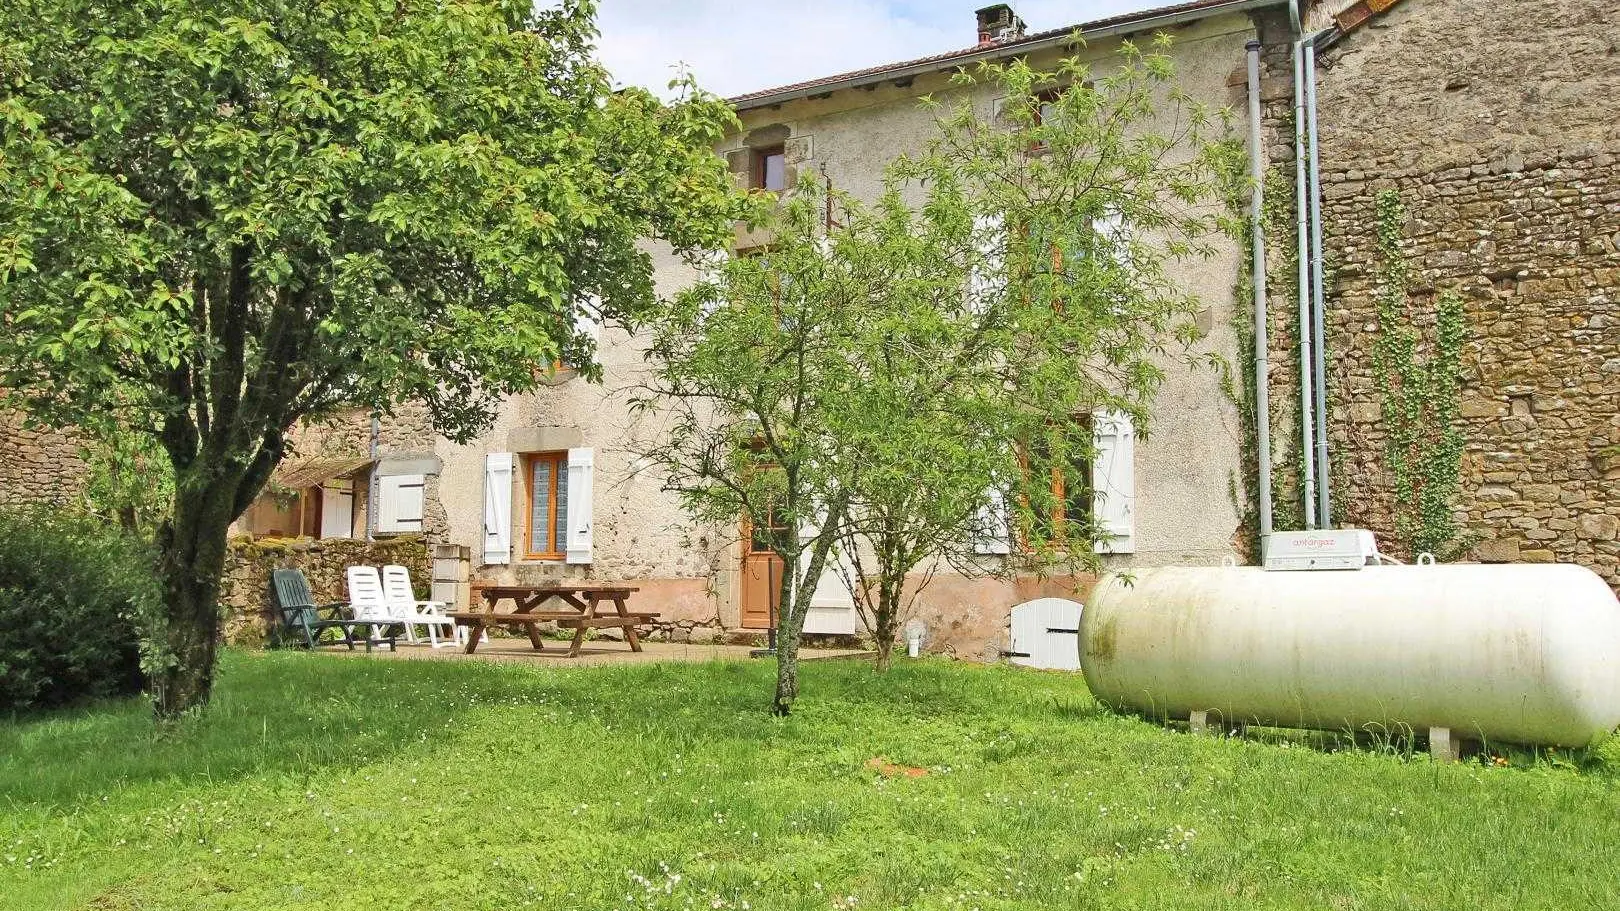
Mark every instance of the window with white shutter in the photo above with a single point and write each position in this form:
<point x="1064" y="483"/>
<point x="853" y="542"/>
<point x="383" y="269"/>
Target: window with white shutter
<point x="545" y="505"/>
<point x="1113" y="478"/>
<point x="399" y="503"/>
<point x="989" y="240"/>
<point x="993" y="531"/>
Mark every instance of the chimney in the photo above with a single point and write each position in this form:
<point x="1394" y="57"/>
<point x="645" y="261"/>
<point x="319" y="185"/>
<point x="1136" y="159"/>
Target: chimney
<point x="998" y="23"/>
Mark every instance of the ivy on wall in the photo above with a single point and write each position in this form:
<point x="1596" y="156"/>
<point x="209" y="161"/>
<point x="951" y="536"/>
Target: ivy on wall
<point x="1282" y="286"/>
<point x="1420" y="384"/>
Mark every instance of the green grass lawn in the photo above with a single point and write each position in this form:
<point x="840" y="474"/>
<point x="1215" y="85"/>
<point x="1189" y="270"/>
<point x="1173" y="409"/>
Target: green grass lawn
<point x="324" y="782"/>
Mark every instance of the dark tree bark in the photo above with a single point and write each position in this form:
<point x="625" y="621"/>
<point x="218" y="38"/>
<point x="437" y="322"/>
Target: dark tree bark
<point x="223" y="447"/>
<point x="795" y="595"/>
<point x="191" y="558"/>
<point x="884" y="623"/>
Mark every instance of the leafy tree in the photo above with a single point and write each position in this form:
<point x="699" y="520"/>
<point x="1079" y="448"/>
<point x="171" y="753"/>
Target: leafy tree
<point x="221" y="217"/>
<point x="1059" y="217"/>
<point x="919" y="373"/>
<point x="746" y="368"/>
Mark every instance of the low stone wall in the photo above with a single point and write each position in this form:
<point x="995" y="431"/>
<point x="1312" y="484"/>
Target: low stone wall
<point x="245" y="594"/>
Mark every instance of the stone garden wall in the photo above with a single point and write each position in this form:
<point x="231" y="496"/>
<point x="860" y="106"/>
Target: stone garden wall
<point x="1498" y="128"/>
<point x="249" y="606"/>
<point x="37" y="466"/>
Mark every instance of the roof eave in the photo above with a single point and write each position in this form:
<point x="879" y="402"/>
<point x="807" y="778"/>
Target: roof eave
<point x="1003" y="49"/>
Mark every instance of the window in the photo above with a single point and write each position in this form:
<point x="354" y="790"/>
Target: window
<point x="1045" y="114"/>
<point x="766" y="537"/>
<point x="1069" y="501"/>
<point x="770" y="169"/>
<point x="545" y="505"/>
<point x="1046" y="105"/>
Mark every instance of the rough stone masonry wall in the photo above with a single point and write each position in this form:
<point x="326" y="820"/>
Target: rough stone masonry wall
<point x="38" y="466"/>
<point x="1498" y="126"/>
<point x="245" y="595"/>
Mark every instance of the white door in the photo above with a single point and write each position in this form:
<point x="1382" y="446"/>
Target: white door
<point x="1045" y="633"/>
<point x="337" y="508"/>
<point x="832" y="607"/>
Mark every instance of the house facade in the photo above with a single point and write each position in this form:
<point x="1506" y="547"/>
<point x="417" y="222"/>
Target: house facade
<point x="1497" y="133"/>
<point x="550" y="490"/>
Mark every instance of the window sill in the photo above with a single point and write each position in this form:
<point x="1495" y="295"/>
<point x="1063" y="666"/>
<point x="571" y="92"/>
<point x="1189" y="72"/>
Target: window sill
<point x="558" y="377"/>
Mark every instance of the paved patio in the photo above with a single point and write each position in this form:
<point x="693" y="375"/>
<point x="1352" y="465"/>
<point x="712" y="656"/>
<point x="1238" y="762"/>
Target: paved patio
<point x="593" y="653"/>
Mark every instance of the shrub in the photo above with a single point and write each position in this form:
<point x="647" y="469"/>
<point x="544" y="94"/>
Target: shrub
<point x="71" y="589"/>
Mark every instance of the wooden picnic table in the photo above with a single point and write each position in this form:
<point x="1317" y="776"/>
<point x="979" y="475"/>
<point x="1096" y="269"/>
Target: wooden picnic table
<point x="583" y="601"/>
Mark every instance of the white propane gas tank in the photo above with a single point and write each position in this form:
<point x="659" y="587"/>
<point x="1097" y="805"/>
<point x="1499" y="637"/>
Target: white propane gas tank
<point x="1520" y="653"/>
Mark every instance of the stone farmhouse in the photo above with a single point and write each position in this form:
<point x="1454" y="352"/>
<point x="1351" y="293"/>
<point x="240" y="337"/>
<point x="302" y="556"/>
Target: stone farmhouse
<point x="1498" y="132"/>
<point x="549" y="491"/>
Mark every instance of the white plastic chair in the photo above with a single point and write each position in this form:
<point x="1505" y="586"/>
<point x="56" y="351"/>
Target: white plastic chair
<point x="401" y="599"/>
<point x="367" y="601"/>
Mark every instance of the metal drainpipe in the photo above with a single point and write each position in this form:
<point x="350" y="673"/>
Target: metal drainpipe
<point x="1307" y="398"/>
<point x="1262" y="337"/>
<point x="375" y="485"/>
<point x="1324" y="499"/>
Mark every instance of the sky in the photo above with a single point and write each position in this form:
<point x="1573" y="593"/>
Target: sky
<point x="739" y="46"/>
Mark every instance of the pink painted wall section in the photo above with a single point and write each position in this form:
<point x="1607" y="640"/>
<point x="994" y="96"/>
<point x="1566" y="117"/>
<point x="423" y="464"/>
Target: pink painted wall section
<point x="678" y="600"/>
<point x="967" y="618"/>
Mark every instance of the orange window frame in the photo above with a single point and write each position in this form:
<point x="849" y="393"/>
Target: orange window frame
<point x="559" y="464"/>
<point x="1059" y="518"/>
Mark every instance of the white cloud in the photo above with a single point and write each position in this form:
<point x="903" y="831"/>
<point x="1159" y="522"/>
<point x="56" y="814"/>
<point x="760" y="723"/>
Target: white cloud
<point x="733" y="47"/>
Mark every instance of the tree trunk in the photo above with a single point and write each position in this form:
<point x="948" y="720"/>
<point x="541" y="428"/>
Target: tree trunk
<point x="191" y="559"/>
<point x="789" y="627"/>
<point x="885" y="653"/>
<point x="796" y="590"/>
<point x="886" y="620"/>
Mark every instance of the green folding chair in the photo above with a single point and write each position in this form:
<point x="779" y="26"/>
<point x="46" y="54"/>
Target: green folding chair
<point x="305" y="623"/>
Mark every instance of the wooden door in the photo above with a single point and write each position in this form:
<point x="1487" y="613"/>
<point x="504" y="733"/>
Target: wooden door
<point x="337" y="508"/>
<point x="761" y="574"/>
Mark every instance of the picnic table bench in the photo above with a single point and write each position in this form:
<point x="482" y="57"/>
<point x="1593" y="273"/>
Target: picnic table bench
<point x="583" y="602"/>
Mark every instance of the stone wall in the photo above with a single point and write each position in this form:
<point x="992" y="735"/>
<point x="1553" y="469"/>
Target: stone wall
<point x="38" y="466"/>
<point x="245" y="594"/>
<point x="1499" y="132"/>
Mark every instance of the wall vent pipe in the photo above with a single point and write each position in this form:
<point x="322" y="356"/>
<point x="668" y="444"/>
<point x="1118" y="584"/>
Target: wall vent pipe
<point x="1307" y="398"/>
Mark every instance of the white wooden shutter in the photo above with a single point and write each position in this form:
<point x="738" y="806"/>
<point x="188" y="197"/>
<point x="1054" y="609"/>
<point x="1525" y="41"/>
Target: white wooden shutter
<point x="711" y="270"/>
<point x="1113" y="479"/>
<point x="994" y="533"/>
<point x="588" y="318"/>
<point x="498" y="508"/>
<point x="1045" y="633"/>
<point x="581" y="466"/>
<point x="989" y="240"/>
<point x="399" y="507"/>
<point x="809" y="529"/>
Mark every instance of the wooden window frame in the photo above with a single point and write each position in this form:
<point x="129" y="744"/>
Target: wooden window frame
<point x="757" y="167"/>
<point x="1058" y="488"/>
<point x="1042" y="99"/>
<point x="559" y="478"/>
